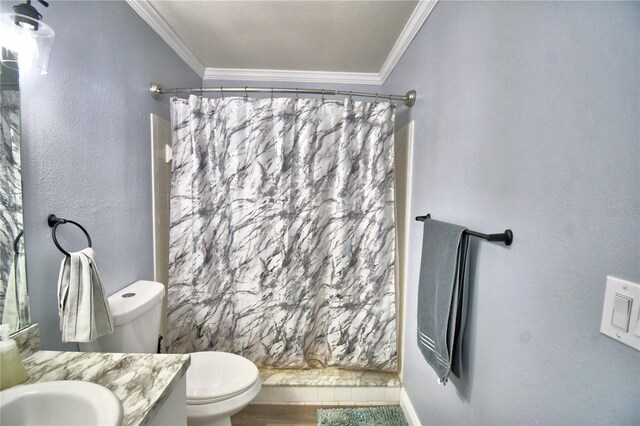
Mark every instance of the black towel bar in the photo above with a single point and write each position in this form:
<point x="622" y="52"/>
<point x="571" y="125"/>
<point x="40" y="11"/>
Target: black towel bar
<point x="54" y="221"/>
<point x="505" y="237"/>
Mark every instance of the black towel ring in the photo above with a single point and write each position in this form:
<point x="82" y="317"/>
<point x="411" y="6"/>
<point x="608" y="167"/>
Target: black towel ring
<point x="16" y="242"/>
<point x="54" y="221"/>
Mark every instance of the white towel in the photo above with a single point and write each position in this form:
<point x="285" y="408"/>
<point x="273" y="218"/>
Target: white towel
<point x="82" y="305"/>
<point x="16" y="305"/>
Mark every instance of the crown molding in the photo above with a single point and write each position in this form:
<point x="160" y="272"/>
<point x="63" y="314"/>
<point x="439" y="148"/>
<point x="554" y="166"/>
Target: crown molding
<point x="418" y="17"/>
<point x="413" y="25"/>
<point x="292" y="75"/>
<point x="411" y="28"/>
<point x="160" y="26"/>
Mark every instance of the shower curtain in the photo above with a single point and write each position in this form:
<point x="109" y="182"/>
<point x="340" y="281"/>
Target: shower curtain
<point x="282" y="231"/>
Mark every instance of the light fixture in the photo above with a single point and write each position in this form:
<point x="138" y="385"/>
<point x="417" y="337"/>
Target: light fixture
<point x="26" y="40"/>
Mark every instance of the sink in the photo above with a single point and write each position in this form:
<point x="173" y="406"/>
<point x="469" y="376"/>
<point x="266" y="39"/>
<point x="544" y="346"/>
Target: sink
<point x="68" y="402"/>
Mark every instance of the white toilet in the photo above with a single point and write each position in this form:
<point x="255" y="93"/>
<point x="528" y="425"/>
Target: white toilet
<point x="219" y="384"/>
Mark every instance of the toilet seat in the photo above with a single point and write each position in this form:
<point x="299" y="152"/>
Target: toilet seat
<point x="218" y="376"/>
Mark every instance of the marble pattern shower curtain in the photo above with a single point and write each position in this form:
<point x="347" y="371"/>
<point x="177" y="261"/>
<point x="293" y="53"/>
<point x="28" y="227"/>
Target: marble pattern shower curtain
<point x="282" y="231"/>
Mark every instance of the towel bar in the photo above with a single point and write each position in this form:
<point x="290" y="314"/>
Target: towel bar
<point x="505" y="237"/>
<point x="54" y="221"/>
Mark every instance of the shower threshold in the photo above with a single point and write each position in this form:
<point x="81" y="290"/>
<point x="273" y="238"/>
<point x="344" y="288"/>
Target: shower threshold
<point x="328" y="386"/>
<point x="334" y="377"/>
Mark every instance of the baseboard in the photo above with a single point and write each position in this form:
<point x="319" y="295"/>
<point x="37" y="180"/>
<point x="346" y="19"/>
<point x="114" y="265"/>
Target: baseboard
<point x="407" y="408"/>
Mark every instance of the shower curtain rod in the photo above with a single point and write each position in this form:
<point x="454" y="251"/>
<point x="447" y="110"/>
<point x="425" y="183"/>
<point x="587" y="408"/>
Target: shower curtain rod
<point x="158" y="92"/>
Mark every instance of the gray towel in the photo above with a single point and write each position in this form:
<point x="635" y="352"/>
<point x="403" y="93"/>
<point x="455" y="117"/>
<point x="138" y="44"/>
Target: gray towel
<point x="83" y="307"/>
<point x="442" y="300"/>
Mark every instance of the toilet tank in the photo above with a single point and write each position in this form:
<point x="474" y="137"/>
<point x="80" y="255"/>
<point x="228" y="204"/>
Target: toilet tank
<point x="136" y="311"/>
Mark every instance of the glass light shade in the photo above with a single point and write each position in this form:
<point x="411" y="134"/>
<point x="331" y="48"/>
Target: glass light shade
<point x="25" y="46"/>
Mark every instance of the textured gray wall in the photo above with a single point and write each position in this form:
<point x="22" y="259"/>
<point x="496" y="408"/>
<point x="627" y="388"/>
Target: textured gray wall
<point x="527" y="118"/>
<point x="87" y="146"/>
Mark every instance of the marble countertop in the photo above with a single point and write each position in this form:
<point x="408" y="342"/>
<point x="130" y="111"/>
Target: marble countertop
<point x="141" y="381"/>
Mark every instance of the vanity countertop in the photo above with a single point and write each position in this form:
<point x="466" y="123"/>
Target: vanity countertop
<point x="141" y="381"/>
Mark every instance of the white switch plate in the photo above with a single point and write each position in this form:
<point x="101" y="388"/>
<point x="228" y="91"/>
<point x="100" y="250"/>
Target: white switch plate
<point x="629" y="290"/>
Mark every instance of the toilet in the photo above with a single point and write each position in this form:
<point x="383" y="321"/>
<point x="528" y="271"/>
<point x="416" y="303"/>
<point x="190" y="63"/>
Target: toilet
<point x="219" y="384"/>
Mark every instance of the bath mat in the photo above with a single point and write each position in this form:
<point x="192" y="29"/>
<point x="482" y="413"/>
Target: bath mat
<point x="370" y="416"/>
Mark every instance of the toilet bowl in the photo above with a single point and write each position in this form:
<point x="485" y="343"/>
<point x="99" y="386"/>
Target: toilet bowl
<point x="219" y="384"/>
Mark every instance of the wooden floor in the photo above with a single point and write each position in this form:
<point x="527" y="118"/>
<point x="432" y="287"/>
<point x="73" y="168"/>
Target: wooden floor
<point x="277" y="415"/>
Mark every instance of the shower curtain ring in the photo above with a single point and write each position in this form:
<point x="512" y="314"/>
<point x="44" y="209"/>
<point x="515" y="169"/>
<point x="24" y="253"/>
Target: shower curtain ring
<point x="222" y="92"/>
<point x="246" y="94"/>
<point x="376" y="101"/>
<point x="350" y="96"/>
<point x="201" y="92"/>
<point x="272" y="93"/>
<point x="297" y="97"/>
<point x="322" y="95"/>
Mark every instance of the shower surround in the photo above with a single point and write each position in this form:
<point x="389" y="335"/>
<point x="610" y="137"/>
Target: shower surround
<point x="282" y="231"/>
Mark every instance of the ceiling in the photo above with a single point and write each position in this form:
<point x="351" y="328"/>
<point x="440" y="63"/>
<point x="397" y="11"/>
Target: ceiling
<point x="351" y="41"/>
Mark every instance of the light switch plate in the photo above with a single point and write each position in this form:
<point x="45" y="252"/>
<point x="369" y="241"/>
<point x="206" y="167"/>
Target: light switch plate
<point x="623" y="290"/>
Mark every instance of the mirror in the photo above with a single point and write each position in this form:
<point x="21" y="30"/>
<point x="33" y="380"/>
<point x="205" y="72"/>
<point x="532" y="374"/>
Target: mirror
<point x="14" y="298"/>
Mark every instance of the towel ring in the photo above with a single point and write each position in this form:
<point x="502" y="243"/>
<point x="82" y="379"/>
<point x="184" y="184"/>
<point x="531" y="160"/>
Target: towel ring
<point x="16" y="242"/>
<point x="54" y="221"/>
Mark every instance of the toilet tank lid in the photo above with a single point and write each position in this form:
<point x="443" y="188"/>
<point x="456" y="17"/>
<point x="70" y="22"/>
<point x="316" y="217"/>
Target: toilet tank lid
<point x="134" y="300"/>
